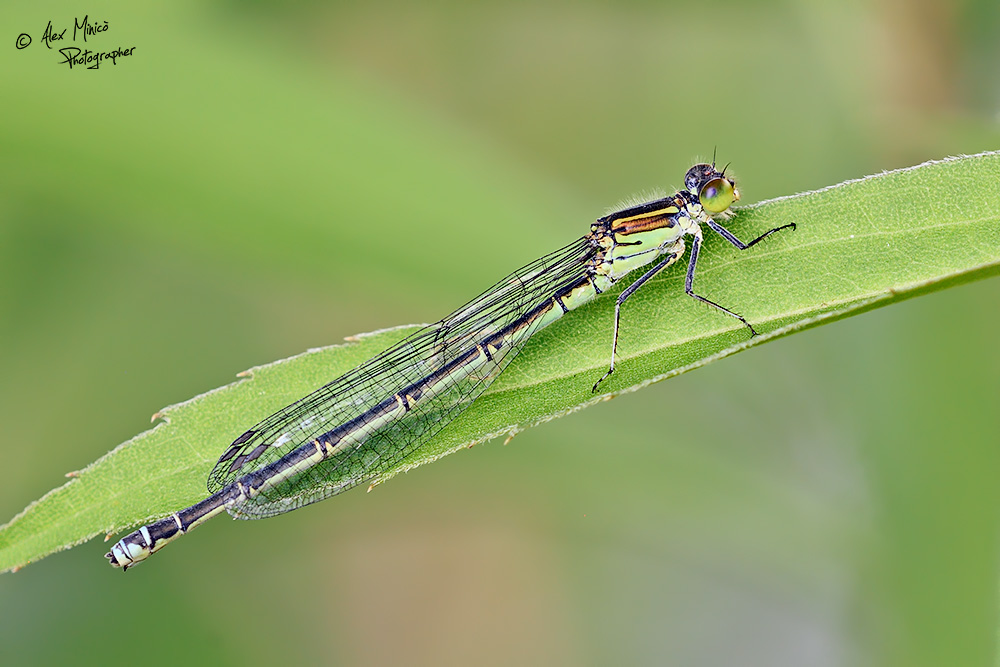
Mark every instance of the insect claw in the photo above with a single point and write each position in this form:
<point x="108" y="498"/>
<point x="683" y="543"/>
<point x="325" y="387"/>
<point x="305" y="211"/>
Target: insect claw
<point x="603" y="378"/>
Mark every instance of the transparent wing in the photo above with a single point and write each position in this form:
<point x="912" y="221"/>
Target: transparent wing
<point x="500" y="312"/>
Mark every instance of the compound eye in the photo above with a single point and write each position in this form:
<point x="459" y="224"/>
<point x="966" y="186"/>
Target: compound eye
<point x="717" y="195"/>
<point x="695" y="174"/>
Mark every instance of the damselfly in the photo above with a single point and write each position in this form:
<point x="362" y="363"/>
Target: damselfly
<point x="366" y="421"/>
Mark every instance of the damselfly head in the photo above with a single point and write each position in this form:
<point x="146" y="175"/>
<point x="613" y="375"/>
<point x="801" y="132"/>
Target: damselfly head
<point x="716" y="192"/>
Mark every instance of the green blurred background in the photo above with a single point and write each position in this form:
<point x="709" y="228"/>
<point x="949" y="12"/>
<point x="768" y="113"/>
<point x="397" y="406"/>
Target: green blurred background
<point x="261" y="178"/>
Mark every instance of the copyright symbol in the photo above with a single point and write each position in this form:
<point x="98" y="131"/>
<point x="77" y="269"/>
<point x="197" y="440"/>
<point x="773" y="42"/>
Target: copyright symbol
<point x="23" y="40"/>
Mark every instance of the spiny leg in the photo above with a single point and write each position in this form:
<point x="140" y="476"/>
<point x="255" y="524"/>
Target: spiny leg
<point x="689" y="280"/>
<point x="729" y="236"/>
<point x="629" y="291"/>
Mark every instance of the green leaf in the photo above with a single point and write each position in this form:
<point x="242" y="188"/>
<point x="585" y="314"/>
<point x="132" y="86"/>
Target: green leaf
<point x="859" y="245"/>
